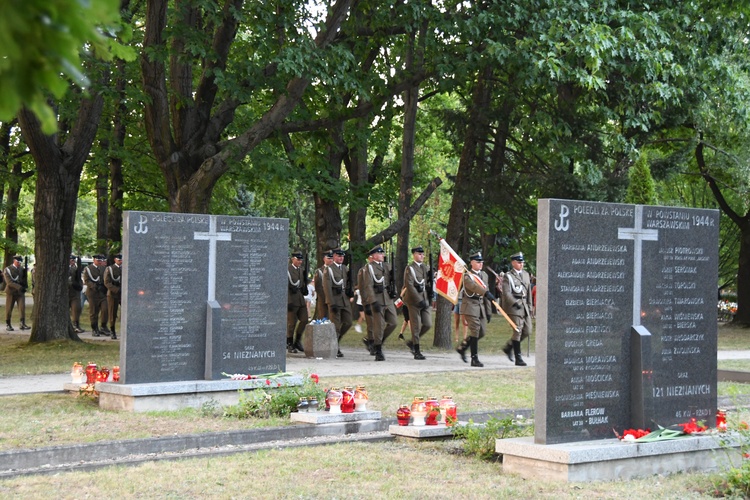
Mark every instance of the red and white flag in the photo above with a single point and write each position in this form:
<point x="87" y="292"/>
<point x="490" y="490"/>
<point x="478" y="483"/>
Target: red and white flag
<point x="451" y="269"/>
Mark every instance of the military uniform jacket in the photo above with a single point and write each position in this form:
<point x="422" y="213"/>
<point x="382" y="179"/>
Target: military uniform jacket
<point x="113" y="279"/>
<point x="93" y="277"/>
<point x="334" y="283"/>
<point x="296" y="286"/>
<point x="374" y="284"/>
<point x="320" y="294"/>
<point x="13" y="280"/>
<point x="415" y="284"/>
<point x="473" y="302"/>
<point x="517" y="293"/>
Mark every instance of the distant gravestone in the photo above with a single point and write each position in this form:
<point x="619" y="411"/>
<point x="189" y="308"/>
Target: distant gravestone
<point x="626" y="318"/>
<point x="202" y="295"/>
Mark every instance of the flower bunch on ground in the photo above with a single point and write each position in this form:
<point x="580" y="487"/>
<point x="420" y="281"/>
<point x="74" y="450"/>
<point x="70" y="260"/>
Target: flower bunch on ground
<point x="662" y="433"/>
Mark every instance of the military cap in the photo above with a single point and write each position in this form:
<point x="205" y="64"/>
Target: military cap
<point x="117" y="256"/>
<point x="99" y="257"/>
<point x="298" y="255"/>
<point x="376" y="249"/>
<point x="338" y="251"/>
<point x="477" y="257"/>
<point x="18" y="258"/>
<point x="328" y="254"/>
<point x="417" y="249"/>
<point x="518" y="257"/>
<point x="72" y="257"/>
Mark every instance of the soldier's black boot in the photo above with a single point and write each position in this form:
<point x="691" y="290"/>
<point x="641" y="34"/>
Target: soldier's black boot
<point x="298" y="343"/>
<point x="410" y="345"/>
<point x="8" y="327"/>
<point x="508" y="350"/>
<point x="379" y="353"/>
<point x="517" y="349"/>
<point x="77" y="328"/>
<point x="339" y="354"/>
<point x="105" y="331"/>
<point x="114" y="333"/>
<point x="461" y="350"/>
<point x="24" y="326"/>
<point x="473" y="341"/>
<point x="95" y="330"/>
<point x="290" y="346"/>
<point x="418" y="355"/>
<point x="370" y="347"/>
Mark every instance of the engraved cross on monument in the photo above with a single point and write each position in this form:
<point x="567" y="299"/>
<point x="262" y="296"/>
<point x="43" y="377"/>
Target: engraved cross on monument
<point x="641" y="368"/>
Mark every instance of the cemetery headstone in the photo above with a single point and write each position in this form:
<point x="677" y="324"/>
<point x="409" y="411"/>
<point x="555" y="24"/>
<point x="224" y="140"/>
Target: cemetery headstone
<point x="202" y="295"/>
<point x="626" y="318"/>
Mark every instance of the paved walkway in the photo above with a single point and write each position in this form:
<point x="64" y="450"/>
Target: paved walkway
<point x="354" y="363"/>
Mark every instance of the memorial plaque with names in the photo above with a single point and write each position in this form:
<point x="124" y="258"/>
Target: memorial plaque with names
<point x="176" y="265"/>
<point x="609" y="272"/>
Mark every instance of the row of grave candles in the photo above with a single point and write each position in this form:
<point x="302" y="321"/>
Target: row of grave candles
<point x="93" y="374"/>
<point x="430" y="411"/>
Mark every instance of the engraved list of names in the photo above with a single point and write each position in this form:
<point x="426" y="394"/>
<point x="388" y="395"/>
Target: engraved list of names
<point x="602" y="269"/>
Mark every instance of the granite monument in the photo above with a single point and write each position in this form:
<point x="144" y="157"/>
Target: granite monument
<point x="202" y="295"/>
<point x="626" y="318"/>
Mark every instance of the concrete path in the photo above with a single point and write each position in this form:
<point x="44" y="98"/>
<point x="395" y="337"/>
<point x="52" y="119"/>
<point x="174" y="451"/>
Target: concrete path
<point x="354" y="363"/>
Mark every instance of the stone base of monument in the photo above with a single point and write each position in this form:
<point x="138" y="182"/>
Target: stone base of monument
<point x="611" y="459"/>
<point x="320" y="341"/>
<point x="176" y="395"/>
<point x="422" y="431"/>
<point x="324" y="417"/>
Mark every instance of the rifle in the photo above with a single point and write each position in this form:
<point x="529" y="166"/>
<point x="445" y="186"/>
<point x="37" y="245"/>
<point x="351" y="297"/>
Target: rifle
<point x="348" y="263"/>
<point x="78" y="285"/>
<point x="306" y="271"/>
<point x="497" y="305"/>
<point x="25" y="276"/>
<point x="392" y="278"/>
<point x="430" y="273"/>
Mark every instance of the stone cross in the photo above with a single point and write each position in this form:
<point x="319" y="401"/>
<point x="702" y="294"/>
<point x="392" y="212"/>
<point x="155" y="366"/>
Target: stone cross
<point x="212" y="236"/>
<point x="638" y="235"/>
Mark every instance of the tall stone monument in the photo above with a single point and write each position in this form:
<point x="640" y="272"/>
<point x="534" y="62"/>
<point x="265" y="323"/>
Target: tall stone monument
<point x="202" y="295"/>
<point x="626" y="318"/>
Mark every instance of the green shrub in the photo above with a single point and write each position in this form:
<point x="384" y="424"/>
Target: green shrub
<point x="274" y="401"/>
<point x="480" y="438"/>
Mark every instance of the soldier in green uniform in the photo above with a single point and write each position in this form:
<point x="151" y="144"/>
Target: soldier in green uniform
<point x="518" y="305"/>
<point x="335" y="287"/>
<point x="475" y="307"/>
<point x="376" y="278"/>
<point x="75" y="285"/>
<point x="368" y="340"/>
<point x="296" y="316"/>
<point x="15" y="292"/>
<point x="416" y="298"/>
<point x="96" y="293"/>
<point x="321" y="308"/>
<point x="113" y="282"/>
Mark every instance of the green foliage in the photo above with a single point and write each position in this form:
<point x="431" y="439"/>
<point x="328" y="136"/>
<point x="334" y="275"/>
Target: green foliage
<point x="277" y="401"/>
<point x="41" y="41"/>
<point x="642" y="188"/>
<point x="480" y="438"/>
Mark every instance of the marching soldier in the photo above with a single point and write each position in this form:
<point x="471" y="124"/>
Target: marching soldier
<point x="335" y="285"/>
<point x="296" y="315"/>
<point x="368" y="340"/>
<point x="96" y="293"/>
<point x="321" y="308"/>
<point x="15" y="292"/>
<point x="416" y="298"/>
<point x="113" y="282"/>
<point x="475" y="307"/>
<point x="75" y="285"/>
<point x="375" y="295"/>
<point x="517" y="304"/>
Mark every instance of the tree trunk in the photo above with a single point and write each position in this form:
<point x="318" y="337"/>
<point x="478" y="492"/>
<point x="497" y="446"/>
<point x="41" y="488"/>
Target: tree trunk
<point x="742" y="316"/>
<point x="58" y="178"/>
<point x="114" y="221"/>
<point x="102" y="184"/>
<point x="11" y="212"/>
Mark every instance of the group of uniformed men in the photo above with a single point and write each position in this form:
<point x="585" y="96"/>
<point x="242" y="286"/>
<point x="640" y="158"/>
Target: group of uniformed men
<point x="103" y="284"/>
<point x="377" y="295"/>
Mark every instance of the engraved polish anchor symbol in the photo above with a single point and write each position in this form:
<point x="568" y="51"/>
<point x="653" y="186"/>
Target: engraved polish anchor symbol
<point x="142" y="228"/>
<point x="563" y="224"/>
